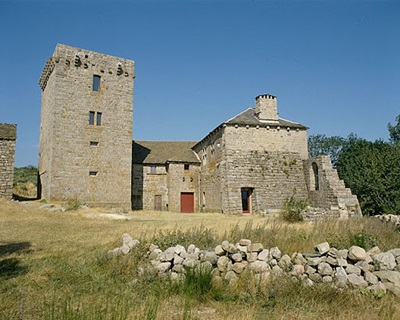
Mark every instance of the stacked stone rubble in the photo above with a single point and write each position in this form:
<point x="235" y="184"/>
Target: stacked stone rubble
<point x="8" y="135"/>
<point x="347" y="268"/>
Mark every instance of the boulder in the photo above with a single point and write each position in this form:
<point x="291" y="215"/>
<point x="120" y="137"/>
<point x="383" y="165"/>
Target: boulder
<point x="178" y="259"/>
<point x="384" y="261"/>
<point x="255" y="247"/>
<point x="252" y="256"/>
<point x="297" y="258"/>
<point x="211" y="257"/>
<point x="237" y="257"/>
<point x="285" y="262"/>
<point x="373" y="251"/>
<point x="191" y="248"/>
<point x="395" y="252"/>
<point x="244" y="242"/>
<point x="322" y="248"/>
<point x="155" y="254"/>
<point x="163" y="266"/>
<point x="370" y="278"/>
<point x="356" y="253"/>
<point x="263" y="255"/>
<point x="350" y="269"/>
<point x="179" y="249"/>
<point x="219" y="251"/>
<point x="314" y="261"/>
<point x="239" y="267"/>
<point x="340" y="278"/>
<point x="325" y="269"/>
<point x="391" y="279"/>
<point x="259" y="266"/>
<point x="222" y="263"/>
<point x="327" y="279"/>
<point x="275" y="253"/>
<point x="297" y="270"/>
<point x="168" y="255"/>
<point x="342" y="262"/>
<point x="356" y="282"/>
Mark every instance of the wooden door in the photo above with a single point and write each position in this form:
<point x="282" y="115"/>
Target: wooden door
<point x="158" y="202"/>
<point x="187" y="202"/>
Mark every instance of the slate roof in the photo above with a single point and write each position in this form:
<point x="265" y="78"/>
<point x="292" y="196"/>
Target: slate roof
<point x="8" y="131"/>
<point x="161" y="152"/>
<point x="248" y="117"/>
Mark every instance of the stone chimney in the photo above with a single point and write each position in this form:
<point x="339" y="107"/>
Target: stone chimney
<point x="267" y="108"/>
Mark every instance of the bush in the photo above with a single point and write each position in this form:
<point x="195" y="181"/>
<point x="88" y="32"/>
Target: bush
<point x="292" y="209"/>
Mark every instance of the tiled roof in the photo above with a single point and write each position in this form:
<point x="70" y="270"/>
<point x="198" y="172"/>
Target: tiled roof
<point x="160" y="152"/>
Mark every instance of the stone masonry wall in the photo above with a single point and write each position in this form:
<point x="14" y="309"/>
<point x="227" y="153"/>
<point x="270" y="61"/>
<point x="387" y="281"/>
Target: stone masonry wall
<point x="76" y="159"/>
<point x="180" y="180"/>
<point x="332" y="193"/>
<point x="211" y="156"/>
<point x="7" y="152"/>
<point x="262" y="138"/>
<point x="272" y="177"/>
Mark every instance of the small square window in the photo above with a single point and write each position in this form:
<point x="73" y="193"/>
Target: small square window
<point x="94" y="143"/>
<point x="186" y="166"/>
<point x="98" y="119"/>
<point x="91" y="117"/>
<point x="153" y="169"/>
<point x="92" y="173"/>
<point x="96" y="83"/>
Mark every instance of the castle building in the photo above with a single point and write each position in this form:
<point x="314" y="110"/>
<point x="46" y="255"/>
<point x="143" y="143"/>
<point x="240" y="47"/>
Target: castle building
<point x="250" y="163"/>
<point x="8" y="136"/>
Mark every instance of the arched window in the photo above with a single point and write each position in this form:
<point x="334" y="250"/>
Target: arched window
<point x="316" y="179"/>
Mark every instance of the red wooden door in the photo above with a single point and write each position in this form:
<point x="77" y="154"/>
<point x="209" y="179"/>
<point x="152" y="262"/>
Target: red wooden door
<point x="187" y="202"/>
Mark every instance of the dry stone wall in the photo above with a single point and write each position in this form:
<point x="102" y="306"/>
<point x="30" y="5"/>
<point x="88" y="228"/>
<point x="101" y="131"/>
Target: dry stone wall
<point x="8" y="135"/>
<point x="353" y="268"/>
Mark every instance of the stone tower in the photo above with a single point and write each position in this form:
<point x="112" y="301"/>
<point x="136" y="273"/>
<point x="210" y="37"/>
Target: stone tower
<point x="86" y="128"/>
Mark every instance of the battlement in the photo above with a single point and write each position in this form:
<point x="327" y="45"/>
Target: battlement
<point x="267" y="108"/>
<point x="71" y="57"/>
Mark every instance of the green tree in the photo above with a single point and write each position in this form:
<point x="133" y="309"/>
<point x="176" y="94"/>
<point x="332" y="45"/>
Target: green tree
<point x="394" y="131"/>
<point x="320" y="144"/>
<point x="372" y="171"/>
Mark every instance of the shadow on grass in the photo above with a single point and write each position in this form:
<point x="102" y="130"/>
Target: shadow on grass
<point x="10" y="267"/>
<point x="9" y="248"/>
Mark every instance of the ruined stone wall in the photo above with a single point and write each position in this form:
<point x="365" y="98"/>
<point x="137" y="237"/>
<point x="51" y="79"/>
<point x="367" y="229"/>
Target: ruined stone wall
<point x="78" y="160"/>
<point x="7" y="153"/>
<point x="326" y="190"/>
<point x="181" y="180"/>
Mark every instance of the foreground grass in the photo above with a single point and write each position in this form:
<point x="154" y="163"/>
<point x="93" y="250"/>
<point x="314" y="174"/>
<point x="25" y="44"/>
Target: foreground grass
<point x="55" y="265"/>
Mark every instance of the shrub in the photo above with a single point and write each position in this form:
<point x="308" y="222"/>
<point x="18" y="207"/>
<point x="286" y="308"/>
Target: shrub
<point x="292" y="209"/>
<point x="73" y="204"/>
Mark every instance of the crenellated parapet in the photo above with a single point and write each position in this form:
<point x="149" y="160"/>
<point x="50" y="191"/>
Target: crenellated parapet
<point x="99" y="63"/>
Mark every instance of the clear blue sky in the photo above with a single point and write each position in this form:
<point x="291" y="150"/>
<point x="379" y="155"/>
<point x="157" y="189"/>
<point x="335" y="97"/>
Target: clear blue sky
<point x="334" y="65"/>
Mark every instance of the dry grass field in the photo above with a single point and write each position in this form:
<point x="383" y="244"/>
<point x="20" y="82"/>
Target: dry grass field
<point x="54" y="265"/>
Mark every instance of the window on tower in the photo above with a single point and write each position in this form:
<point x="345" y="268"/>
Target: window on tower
<point x="98" y="119"/>
<point x="91" y="117"/>
<point x="96" y="83"/>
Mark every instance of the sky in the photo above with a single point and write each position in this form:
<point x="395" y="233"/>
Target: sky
<point x="333" y="65"/>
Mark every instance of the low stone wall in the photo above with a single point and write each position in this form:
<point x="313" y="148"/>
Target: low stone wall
<point x="390" y="219"/>
<point x="347" y="268"/>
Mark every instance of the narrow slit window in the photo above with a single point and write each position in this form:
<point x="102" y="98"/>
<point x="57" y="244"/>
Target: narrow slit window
<point x="92" y="173"/>
<point x="91" y="117"/>
<point x="186" y="166"/>
<point x="94" y="143"/>
<point x="96" y="83"/>
<point x="98" y="119"/>
<point x="153" y="169"/>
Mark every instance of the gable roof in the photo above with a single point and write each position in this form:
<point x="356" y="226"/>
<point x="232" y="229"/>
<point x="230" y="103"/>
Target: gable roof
<point x="161" y="152"/>
<point x="249" y="117"/>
